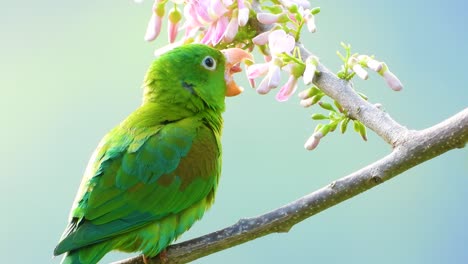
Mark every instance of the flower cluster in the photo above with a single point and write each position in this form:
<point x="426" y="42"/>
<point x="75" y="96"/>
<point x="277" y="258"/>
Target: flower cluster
<point x="275" y="32"/>
<point x="279" y="47"/>
<point x="206" y="21"/>
<point x="355" y="65"/>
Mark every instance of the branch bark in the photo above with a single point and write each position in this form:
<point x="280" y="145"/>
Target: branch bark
<point x="413" y="149"/>
<point x="410" y="148"/>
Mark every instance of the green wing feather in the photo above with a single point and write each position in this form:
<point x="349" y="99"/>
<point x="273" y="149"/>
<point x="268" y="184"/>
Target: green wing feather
<point x="144" y="170"/>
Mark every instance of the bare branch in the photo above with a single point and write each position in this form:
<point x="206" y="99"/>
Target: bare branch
<point x="412" y="149"/>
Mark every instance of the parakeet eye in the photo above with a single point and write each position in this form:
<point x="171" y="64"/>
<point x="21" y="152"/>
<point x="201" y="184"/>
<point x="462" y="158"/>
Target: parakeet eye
<point x="209" y="63"/>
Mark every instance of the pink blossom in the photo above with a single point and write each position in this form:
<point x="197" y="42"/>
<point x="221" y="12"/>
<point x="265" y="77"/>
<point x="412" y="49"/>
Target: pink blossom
<point x="280" y="42"/>
<point x="274" y="75"/>
<point x="261" y="39"/>
<point x="263" y="87"/>
<point x="231" y="30"/>
<point x="257" y="70"/>
<point x="243" y="13"/>
<point x="301" y="3"/>
<point x="287" y="90"/>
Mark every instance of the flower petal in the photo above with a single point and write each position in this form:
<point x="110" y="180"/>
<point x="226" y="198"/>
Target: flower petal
<point x="287" y="90"/>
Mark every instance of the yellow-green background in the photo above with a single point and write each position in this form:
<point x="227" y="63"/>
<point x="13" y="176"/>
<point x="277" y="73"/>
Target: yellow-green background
<point x="71" y="70"/>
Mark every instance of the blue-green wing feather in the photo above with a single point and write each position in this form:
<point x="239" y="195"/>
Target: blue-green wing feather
<point x="141" y="177"/>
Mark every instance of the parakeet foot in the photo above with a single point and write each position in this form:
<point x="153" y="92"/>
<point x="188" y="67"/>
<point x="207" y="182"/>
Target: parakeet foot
<point x="163" y="256"/>
<point x="145" y="259"/>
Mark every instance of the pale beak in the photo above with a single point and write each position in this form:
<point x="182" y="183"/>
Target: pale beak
<point x="234" y="57"/>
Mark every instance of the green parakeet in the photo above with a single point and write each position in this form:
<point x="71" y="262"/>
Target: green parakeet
<point x="156" y="173"/>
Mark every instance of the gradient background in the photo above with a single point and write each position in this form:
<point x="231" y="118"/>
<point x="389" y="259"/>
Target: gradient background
<point x="71" y="70"/>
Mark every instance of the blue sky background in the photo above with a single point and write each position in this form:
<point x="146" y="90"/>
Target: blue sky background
<point x="71" y="70"/>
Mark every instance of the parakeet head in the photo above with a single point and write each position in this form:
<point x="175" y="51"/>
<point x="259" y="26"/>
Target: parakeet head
<point x="194" y="76"/>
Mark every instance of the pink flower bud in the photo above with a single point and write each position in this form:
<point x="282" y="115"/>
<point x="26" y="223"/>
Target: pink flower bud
<point x="374" y="65"/>
<point x="268" y="18"/>
<point x="392" y="81"/>
<point x="154" y="27"/>
<point x="307" y="102"/>
<point x="310" y="19"/>
<point x="310" y="69"/>
<point x="305" y="94"/>
<point x="357" y="68"/>
<point x="172" y="30"/>
<point x="313" y="141"/>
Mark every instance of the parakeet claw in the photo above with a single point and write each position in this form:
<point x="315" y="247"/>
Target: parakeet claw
<point x="234" y="57"/>
<point x="145" y="260"/>
<point x="163" y="256"/>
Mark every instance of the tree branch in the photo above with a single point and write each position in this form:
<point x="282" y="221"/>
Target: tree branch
<point x="412" y="149"/>
<point x="368" y="114"/>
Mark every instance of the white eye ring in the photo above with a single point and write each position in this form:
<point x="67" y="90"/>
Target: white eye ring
<point x="209" y="63"/>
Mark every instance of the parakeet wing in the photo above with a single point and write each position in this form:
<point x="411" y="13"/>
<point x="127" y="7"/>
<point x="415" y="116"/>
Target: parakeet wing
<point x="141" y="176"/>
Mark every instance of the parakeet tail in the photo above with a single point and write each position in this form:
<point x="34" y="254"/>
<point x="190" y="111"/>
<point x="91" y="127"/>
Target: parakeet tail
<point x="87" y="255"/>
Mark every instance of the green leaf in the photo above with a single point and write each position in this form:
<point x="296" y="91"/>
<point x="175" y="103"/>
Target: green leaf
<point x="361" y="129"/>
<point x="333" y="125"/>
<point x="325" y="129"/>
<point x="340" y="108"/>
<point x="315" y="10"/>
<point x="363" y="132"/>
<point x="341" y="56"/>
<point x="319" y="117"/>
<point x="344" y="125"/>
<point x="318" y="127"/>
<point x="327" y="106"/>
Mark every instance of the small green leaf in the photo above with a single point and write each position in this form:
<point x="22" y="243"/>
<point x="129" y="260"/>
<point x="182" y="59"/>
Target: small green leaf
<point x="315" y="10"/>
<point x="344" y="125"/>
<point x="341" y="56"/>
<point x="333" y="125"/>
<point x="361" y="129"/>
<point x="319" y="117"/>
<point x="318" y="127"/>
<point x="363" y="96"/>
<point x="340" y="108"/>
<point x="317" y="98"/>
<point x="276" y="9"/>
<point x="325" y="129"/>
<point x="327" y="106"/>
<point x="362" y="132"/>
